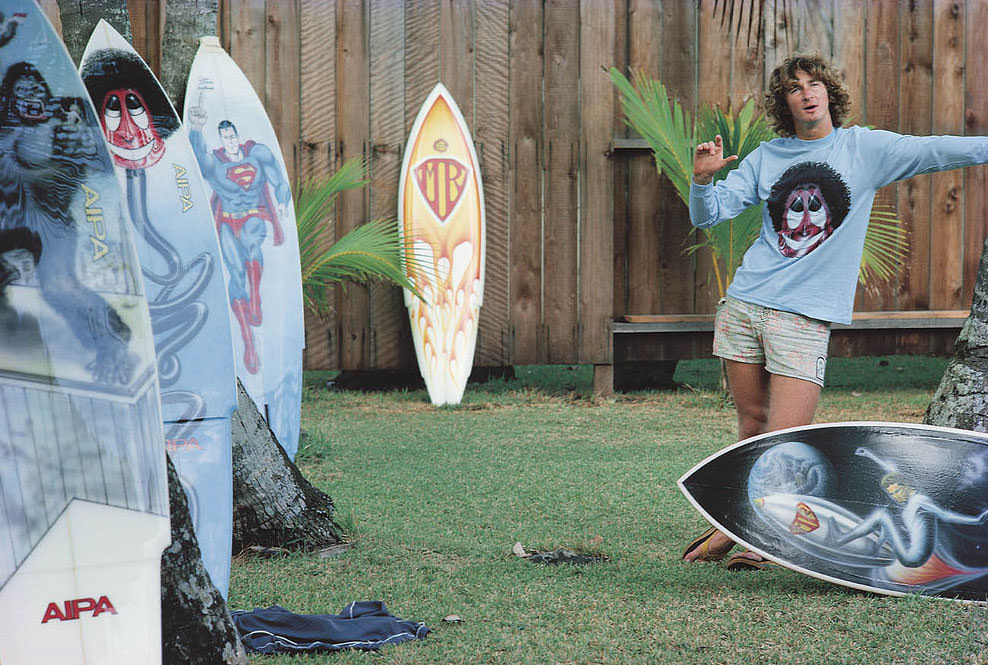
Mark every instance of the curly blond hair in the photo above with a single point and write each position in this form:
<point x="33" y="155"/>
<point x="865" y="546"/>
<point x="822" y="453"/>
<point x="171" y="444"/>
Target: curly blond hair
<point x="782" y="79"/>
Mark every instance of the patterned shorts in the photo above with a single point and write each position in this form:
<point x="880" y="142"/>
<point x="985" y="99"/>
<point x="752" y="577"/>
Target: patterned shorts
<point x="787" y="344"/>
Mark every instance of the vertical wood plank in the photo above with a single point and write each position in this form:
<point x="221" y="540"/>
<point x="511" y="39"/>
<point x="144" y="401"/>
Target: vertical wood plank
<point x="147" y="22"/>
<point x="247" y="33"/>
<point x="317" y="90"/>
<point x="645" y="189"/>
<point x="281" y="78"/>
<point x="456" y="45"/>
<point x="714" y="84"/>
<point x="525" y="31"/>
<point x="619" y="170"/>
<point x="422" y="48"/>
<point x="747" y="58"/>
<point x="352" y="75"/>
<point x="849" y="56"/>
<point x="915" y="83"/>
<point x="562" y="156"/>
<point x="882" y="110"/>
<point x="391" y="343"/>
<point x="491" y="135"/>
<point x="679" y="72"/>
<point x="597" y="110"/>
<point x="975" y="123"/>
<point x="815" y="26"/>
<point x="946" y="245"/>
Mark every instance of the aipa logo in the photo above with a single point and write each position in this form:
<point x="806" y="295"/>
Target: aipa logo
<point x="441" y="182"/>
<point x="72" y="609"/>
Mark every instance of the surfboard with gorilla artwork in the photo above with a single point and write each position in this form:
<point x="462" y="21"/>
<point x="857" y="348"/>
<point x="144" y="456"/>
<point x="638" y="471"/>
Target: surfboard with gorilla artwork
<point x="183" y="277"/>
<point x="885" y="507"/>
<point x="83" y="489"/>
<point x="441" y="216"/>
<point x="251" y="199"/>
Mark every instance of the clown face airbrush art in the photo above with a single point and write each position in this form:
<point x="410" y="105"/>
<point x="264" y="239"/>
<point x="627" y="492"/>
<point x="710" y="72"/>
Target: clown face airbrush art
<point x="130" y="130"/>
<point x="806" y="205"/>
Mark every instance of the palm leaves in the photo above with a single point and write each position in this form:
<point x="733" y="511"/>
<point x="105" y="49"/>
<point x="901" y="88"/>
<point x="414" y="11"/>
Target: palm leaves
<point x="667" y="129"/>
<point x="371" y="251"/>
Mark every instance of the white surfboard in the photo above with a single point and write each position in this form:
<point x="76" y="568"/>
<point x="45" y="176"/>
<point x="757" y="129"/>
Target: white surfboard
<point x="441" y="216"/>
<point x="242" y="165"/>
<point x="183" y="277"/>
<point x="83" y="489"/>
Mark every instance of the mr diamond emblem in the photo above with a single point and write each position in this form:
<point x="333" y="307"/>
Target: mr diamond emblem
<point x="441" y="181"/>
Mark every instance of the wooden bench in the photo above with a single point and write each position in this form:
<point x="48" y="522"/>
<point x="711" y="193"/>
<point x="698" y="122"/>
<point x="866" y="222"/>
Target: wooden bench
<point x="648" y="346"/>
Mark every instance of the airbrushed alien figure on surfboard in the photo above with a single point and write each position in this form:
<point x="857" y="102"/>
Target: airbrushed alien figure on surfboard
<point x="817" y="183"/>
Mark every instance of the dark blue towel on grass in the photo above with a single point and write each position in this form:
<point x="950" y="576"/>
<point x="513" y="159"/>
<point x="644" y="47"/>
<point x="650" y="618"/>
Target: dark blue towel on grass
<point x="364" y="624"/>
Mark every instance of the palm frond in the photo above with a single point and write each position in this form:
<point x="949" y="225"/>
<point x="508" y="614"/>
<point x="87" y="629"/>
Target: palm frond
<point x="663" y="123"/>
<point x="371" y="251"/>
<point x="886" y="247"/>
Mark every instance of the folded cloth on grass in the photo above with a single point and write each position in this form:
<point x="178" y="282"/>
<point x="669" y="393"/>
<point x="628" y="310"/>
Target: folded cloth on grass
<point x="364" y="624"/>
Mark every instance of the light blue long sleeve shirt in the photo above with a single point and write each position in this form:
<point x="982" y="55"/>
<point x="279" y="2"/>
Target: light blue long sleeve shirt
<point x="806" y="259"/>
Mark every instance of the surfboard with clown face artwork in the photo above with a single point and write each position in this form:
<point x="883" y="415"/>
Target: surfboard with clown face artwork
<point x="441" y="217"/>
<point x="183" y="276"/>
<point x="83" y="487"/>
<point x="891" y="508"/>
<point x="251" y="202"/>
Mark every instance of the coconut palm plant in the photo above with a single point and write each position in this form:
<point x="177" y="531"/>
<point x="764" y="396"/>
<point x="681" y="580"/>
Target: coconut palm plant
<point x="670" y="134"/>
<point x="373" y="250"/>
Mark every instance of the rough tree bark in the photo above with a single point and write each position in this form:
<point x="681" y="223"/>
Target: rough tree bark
<point x="273" y="505"/>
<point x="196" y="628"/>
<point x="961" y="400"/>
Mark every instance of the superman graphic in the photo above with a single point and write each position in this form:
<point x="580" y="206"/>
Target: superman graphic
<point x="249" y="192"/>
<point x="806" y="205"/>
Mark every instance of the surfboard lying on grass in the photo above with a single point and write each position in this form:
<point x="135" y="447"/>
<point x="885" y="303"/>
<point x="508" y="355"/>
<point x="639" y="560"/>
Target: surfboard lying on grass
<point x="441" y="216"/>
<point x="238" y="153"/>
<point x="885" y="507"/>
<point x="83" y="489"/>
<point x="183" y="277"/>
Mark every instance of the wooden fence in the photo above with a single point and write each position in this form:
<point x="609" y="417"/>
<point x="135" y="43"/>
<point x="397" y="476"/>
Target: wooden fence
<point x="579" y="232"/>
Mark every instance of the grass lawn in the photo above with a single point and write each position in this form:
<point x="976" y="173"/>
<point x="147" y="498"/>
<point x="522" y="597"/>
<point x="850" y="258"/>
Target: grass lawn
<point x="436" y="497"/>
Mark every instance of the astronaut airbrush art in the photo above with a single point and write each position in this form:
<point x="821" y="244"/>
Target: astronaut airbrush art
<point x="886" y="507"/>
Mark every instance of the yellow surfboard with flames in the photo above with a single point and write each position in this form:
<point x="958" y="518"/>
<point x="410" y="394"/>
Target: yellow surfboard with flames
<point x="441" y="215"/>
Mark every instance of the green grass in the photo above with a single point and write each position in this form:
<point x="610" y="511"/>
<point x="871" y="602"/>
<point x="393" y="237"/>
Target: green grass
<point x="436" y="497"/>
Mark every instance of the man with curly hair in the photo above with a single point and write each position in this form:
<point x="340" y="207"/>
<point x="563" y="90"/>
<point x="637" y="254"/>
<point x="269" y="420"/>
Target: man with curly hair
<point x="818" y="181"/>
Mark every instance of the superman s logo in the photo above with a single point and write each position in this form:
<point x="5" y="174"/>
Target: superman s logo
<point x="441" y="182"/>
<point x="242" y="174"/>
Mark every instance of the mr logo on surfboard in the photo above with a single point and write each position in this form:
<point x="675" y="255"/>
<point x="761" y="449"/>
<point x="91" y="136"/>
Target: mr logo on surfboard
<point x="441" y="181"/>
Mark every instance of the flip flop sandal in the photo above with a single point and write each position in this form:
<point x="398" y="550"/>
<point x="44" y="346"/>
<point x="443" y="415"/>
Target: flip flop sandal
<point x="702" y="542"/>
<point x="739" y="561"/>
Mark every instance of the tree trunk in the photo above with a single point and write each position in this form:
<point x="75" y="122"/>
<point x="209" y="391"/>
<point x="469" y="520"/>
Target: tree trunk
<point x="273" y="505"/>
<point x="961" y="400"/>
<point x="196" y="628"/>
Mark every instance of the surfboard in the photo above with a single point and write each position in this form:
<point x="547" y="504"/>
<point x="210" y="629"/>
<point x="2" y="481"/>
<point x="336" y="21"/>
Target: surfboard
<point x="251" y="201"/>
<point x="890" y="508"/>
<point x="83" y="488"/>
<point x="441" y="217"/>
<point x="183" y="278"/>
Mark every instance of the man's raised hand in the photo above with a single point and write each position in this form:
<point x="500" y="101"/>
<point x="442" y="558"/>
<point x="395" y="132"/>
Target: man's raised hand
<point x="708" y="159"/>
